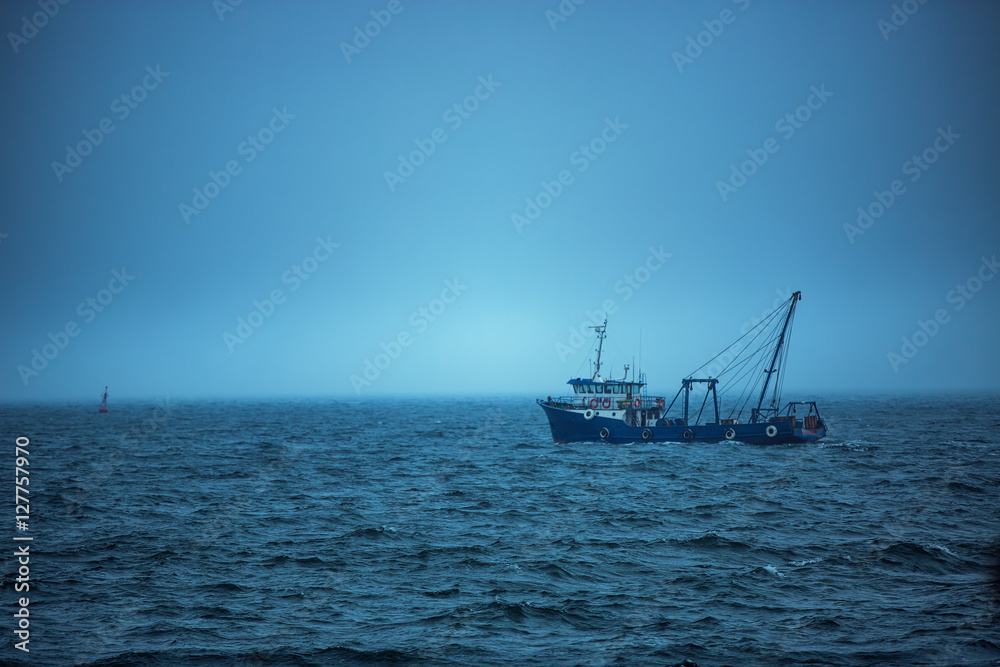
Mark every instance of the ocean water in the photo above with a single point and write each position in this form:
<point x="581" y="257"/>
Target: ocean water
<point x="455" y="532"/>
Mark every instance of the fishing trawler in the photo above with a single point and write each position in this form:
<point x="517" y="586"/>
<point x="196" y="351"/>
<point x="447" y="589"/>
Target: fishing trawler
<point x="622" y="411"/>
<point x="104" y="401"/>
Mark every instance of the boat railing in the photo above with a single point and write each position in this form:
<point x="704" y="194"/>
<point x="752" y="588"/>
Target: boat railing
<point x="809" y="421"/>
<point x="608" y="402"/>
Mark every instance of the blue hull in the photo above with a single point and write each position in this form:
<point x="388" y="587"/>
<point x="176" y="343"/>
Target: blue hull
<point x="573" y="426"/>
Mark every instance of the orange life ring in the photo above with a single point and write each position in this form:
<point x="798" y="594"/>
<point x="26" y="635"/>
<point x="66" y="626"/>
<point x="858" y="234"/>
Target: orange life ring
<point x="594" y="402"/>
<point x="638" y="402"/>
<point x="607" y="402"/>
<point x="660" y="402"/>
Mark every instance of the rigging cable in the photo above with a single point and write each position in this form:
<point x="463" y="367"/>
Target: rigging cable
<point x="764" y="321"/>
<point x="755" y="372"/>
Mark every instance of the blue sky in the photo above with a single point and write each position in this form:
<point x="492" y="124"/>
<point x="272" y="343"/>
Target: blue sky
<point x="610" y="121"/>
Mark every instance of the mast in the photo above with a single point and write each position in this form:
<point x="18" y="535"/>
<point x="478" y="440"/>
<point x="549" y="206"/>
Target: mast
<point x="777" y="351"/>
<point x="600" y="344"/>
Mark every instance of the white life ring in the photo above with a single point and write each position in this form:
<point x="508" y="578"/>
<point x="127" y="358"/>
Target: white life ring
<point x="605" y="433"/>
<point x="588" y="414"/>
<point x="730" y="434"/>
<point x="772" y="430"/>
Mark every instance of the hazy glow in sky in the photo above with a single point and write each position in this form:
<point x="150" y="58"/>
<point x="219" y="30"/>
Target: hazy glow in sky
<point x="271" y="199"/>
